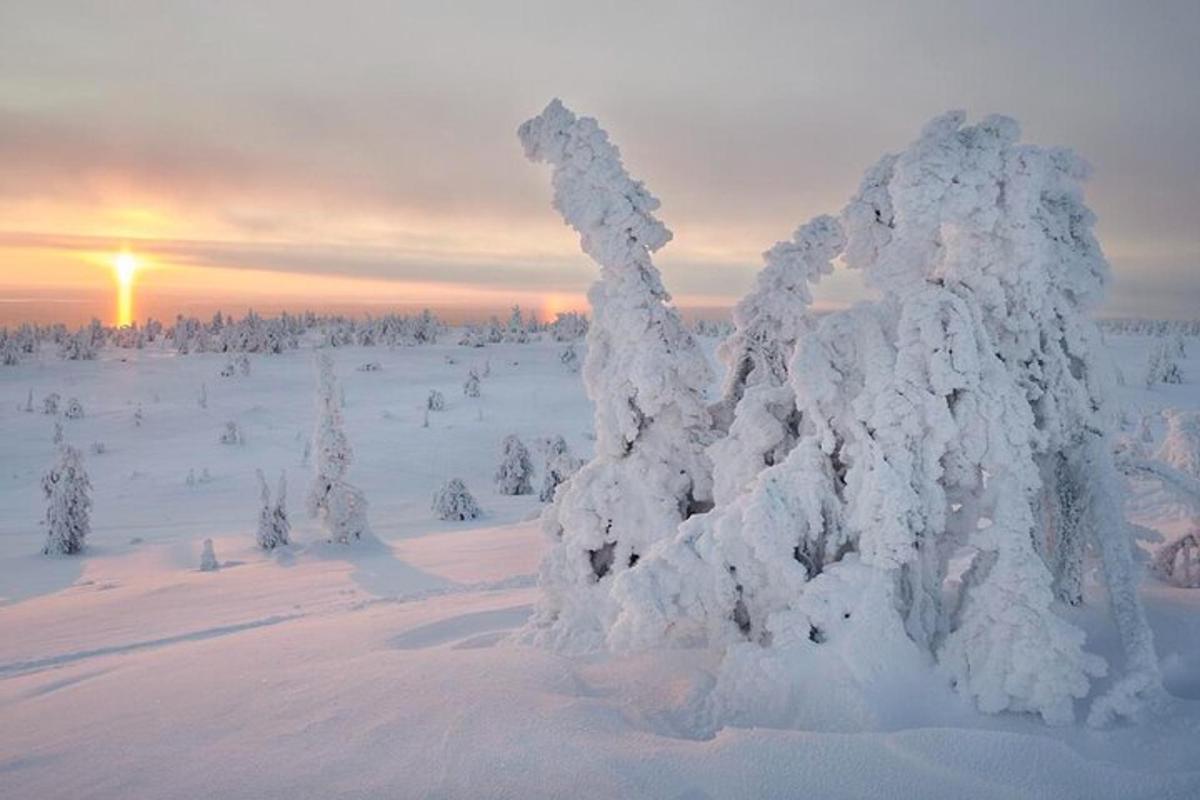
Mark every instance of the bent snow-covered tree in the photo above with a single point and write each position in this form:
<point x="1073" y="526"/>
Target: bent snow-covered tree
<point x="644" y="373"/>
<point x="68" y="513"/>
<point x="758" y="409"/>
<point x="963" y="413"/>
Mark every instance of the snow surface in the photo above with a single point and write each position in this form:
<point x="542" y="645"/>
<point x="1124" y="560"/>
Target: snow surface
<point x="387" y="668"/>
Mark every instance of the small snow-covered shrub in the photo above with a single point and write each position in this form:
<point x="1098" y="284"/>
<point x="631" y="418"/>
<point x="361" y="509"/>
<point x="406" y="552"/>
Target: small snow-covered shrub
<point x="203" y="397"/>
<point x="208" y="557"/>
<point x="50" y="404"/>
<point x="471" y="385"/>
<point x="74" y="409"/>
<point x="370" y="366"/>
<point x="28" y="407"/>
<point x="99" y="448"/>
<point x="515" y="473"/>
<point x="139" y="416"/>
<point x="232" y="434"/>
<point x="1179" y="562"/>
<point x="1181" y="446"/>
<point x="436" y="401"/>
<point x="67" y="488"/>
<point x="453" y="502"/>
<point x="229" y="370"/>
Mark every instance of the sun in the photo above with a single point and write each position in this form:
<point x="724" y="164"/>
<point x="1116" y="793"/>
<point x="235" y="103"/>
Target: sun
<point x="126" y="266"/>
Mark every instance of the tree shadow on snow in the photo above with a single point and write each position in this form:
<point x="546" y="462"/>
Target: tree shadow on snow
<point x="27" y="576"/>
<point x="377" y="569"/>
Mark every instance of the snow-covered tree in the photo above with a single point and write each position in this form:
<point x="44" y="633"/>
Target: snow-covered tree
<point x="82" y="346"/>
<point x="1179" y="561"/>
<point x="274" y="528"/>
<point x="965" y="409"/>
<point x="1162" y="365"/>
<point x="559" y="465"/>
<point x="471" y="385"/>
<point x="514" y="475"/>
<point x="68" y="515"/>
<point x="568" y="326"/>
<point x="340" y="506"/>
<point x="203" y="397"/>
<point x="1181" y="446"/>
<point x="28" y="407"/>
<point x="569" y="358"/>
<point x="74" y="409"/>
<point x="758" y="409"/>
<point x="231" y="433"/>
<point x="208" y="557"/>
<point x="452" y="502"/>
<point x="50" y="404"/>
<point x="436" y="401"/>
<point x="517" y="331"/>
<point x="645" y="374"/>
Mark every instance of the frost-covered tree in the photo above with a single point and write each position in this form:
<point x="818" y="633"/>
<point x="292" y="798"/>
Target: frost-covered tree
<point x="340" y="506"/>
<point x="569" y="358"/>
<point x="208" y="557"/>
<point x="514" y="475"/>
<point x="50" y="404"/>
<point x="559" y="465"/>
<point x="232" y="433"/>
<point x="1161" y="364"/>
<point x="964" y="410"/>
<point x="568" y="326"/>
<point x="1004" y="225"/>
<point x="452" y="502"/>
<point x="1181" y="446"/>
<point x="28" y="407"/>
<point x="471" y="384"/>
<point x="68" y="515"/>
<point x="82" y="346"/>
<point x="758" y="409"/>
<point x="644" y="373"/>
<point x="517" y="331"/>
<point x="274" y="529"/>
<point x="1179" y="561"/>
<point x="74" y="409"/>
<point x="436" y="401"/>
<point x="203" y="397"/>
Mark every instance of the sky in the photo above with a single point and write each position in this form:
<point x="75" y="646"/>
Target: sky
<point x="363" y="154"/>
